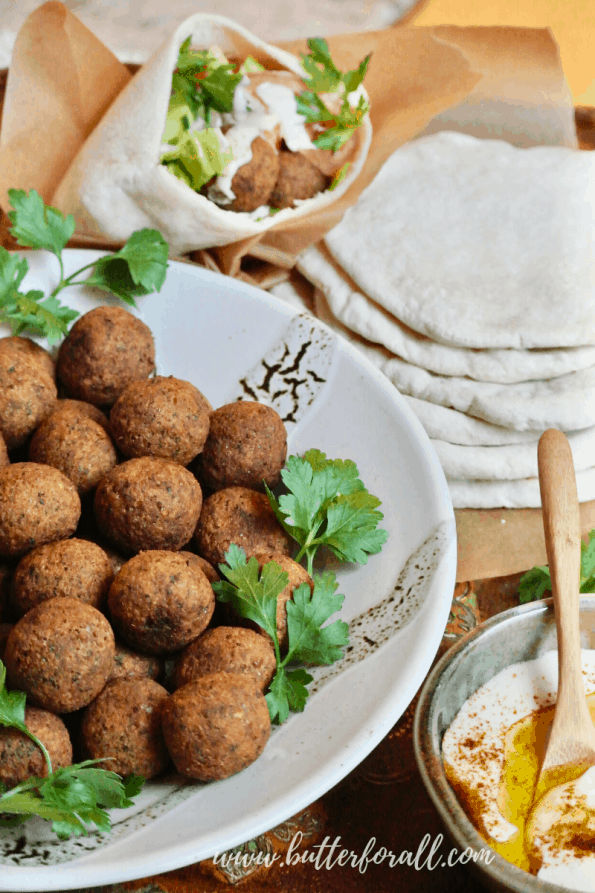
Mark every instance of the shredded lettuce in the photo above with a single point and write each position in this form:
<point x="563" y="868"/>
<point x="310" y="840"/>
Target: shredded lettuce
<point x="196" y="157"/>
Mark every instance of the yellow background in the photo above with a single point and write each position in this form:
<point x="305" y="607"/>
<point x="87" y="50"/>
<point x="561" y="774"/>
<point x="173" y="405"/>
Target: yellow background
<point x="572" y="22"/>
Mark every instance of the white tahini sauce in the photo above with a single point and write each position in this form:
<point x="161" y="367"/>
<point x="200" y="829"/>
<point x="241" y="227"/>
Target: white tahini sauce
<point x="484" y="719"/>
<point x="281" y="101"/>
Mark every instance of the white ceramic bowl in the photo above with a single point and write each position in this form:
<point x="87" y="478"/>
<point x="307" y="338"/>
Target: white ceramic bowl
<point x="232" y="340"/>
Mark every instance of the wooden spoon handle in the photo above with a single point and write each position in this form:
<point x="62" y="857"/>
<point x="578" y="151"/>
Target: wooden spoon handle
<point x="561" y="522"/>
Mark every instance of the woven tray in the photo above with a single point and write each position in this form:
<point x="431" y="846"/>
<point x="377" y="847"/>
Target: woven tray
<point x="492" y="542"/>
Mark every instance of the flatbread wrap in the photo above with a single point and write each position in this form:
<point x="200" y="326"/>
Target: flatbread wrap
<point x="127" y="176"/>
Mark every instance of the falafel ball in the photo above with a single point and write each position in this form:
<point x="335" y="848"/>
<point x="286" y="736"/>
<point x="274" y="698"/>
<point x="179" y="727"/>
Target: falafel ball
<point x="81" y="408"/>
<point x="124" y="723"/>
<point x="5" y="629"/>
<point x="27" y="393"/>
<point x="61" y="654"/>
<point x="104" y="351"/>
<point x="4" y="458"/>
<point x="76" y="445"/>
<point x="38" y="504"/>
<point x="229" y="649"/>
<point x="202" y="564"/>
<point x="161" y="417"/>
<point x="71" y="568"/>
<point x="130" y="664"/>
<point x="254" y="181"/>
<point x="241" y="516"/>
<point x="298" y="178"/>
<point x="216" y="726"/>
<point x="148" y="503"/>
<point x="297" y="575"/>
<point x="25" y="348"/>
<point x="21" y="758"/>
<point x="159" y="603"/>
<point x="6" y="572"/>
<point x="247" y="444"/>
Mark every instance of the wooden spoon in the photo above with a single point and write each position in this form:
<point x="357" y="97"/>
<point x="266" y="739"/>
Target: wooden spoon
<point x="572" y="737"/>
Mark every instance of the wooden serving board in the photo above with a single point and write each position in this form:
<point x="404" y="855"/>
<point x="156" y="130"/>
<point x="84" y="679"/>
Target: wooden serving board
<point x="491" y="542"/>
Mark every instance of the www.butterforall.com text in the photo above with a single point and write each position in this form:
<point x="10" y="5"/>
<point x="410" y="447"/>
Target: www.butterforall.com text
<point x="328" y="854"/>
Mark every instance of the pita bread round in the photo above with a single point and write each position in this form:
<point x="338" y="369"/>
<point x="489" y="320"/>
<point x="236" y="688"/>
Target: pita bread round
<point x="440" y="422"/>
<point x="476" y="243"/>
<point x="364" y="317"/>
<point x="512" y="494"/>
<point x="567" y="402"/>
<point x="509" y="462"/>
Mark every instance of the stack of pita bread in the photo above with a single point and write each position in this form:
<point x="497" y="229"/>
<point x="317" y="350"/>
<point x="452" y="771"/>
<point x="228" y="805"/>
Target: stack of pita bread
<point x="466" y="273"/>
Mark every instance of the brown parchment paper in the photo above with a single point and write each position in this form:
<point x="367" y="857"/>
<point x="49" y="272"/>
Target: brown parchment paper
<point x="523" y="96"/>
<point x="61" y="81"/>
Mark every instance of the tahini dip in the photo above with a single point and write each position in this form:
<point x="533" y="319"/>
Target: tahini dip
<point x="492" y="753"/>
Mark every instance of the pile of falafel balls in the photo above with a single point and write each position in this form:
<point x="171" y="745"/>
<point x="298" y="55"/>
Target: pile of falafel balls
<point x="108" y="551"/>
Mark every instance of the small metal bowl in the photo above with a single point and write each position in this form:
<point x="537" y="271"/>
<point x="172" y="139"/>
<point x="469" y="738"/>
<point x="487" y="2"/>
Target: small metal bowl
<point x="520" y="634"/>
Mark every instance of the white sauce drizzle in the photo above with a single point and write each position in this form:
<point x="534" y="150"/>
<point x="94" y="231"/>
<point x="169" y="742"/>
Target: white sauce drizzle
<point x="281" y="101"/>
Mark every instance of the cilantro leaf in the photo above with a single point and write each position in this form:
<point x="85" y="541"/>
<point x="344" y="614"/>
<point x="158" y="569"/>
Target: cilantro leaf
<point x="254" y="596"/>
<point x="312" y="108"/>
<point x="307" y="611"/>
<point x="138" y="268"/>
<point x="588" y="564"/>
<point x="344" y="123"/>
<point x="323" y="76"/>
<point x="218" y="88"/>
<point x="327" y="504"/>
<point x="204" y="82"/>
<point x="12" y="272"/>
<point x="353" y="79"/>
<point x="37" y="225"/>
<point x="30" y="312"/>
<point x="12" y="705"/>
<point x="287" y="692"/>
<point x="536" y="583"/>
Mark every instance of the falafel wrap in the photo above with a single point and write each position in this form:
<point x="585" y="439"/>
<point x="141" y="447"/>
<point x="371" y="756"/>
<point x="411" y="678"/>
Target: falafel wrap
<point x="219" y="138"/>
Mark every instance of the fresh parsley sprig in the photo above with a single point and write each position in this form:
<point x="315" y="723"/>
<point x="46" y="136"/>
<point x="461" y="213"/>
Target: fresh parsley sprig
<point x="537" y="583"/>
<point x="253" y="595"/>
<point x="323" y="76"/>
<point x="139" y="268"/>
<point x="74" y="798"/>
<point x="328" y="505"/>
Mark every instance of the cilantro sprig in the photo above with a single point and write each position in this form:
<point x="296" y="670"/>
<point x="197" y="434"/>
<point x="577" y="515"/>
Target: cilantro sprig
<point x="328" y="505"/>
<point x="537" y="583"/>
<point x="74" y="798"/>
<point x="253" y="595"/>
<point x="139" y="268"/>
<point x="323" y="76"/>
